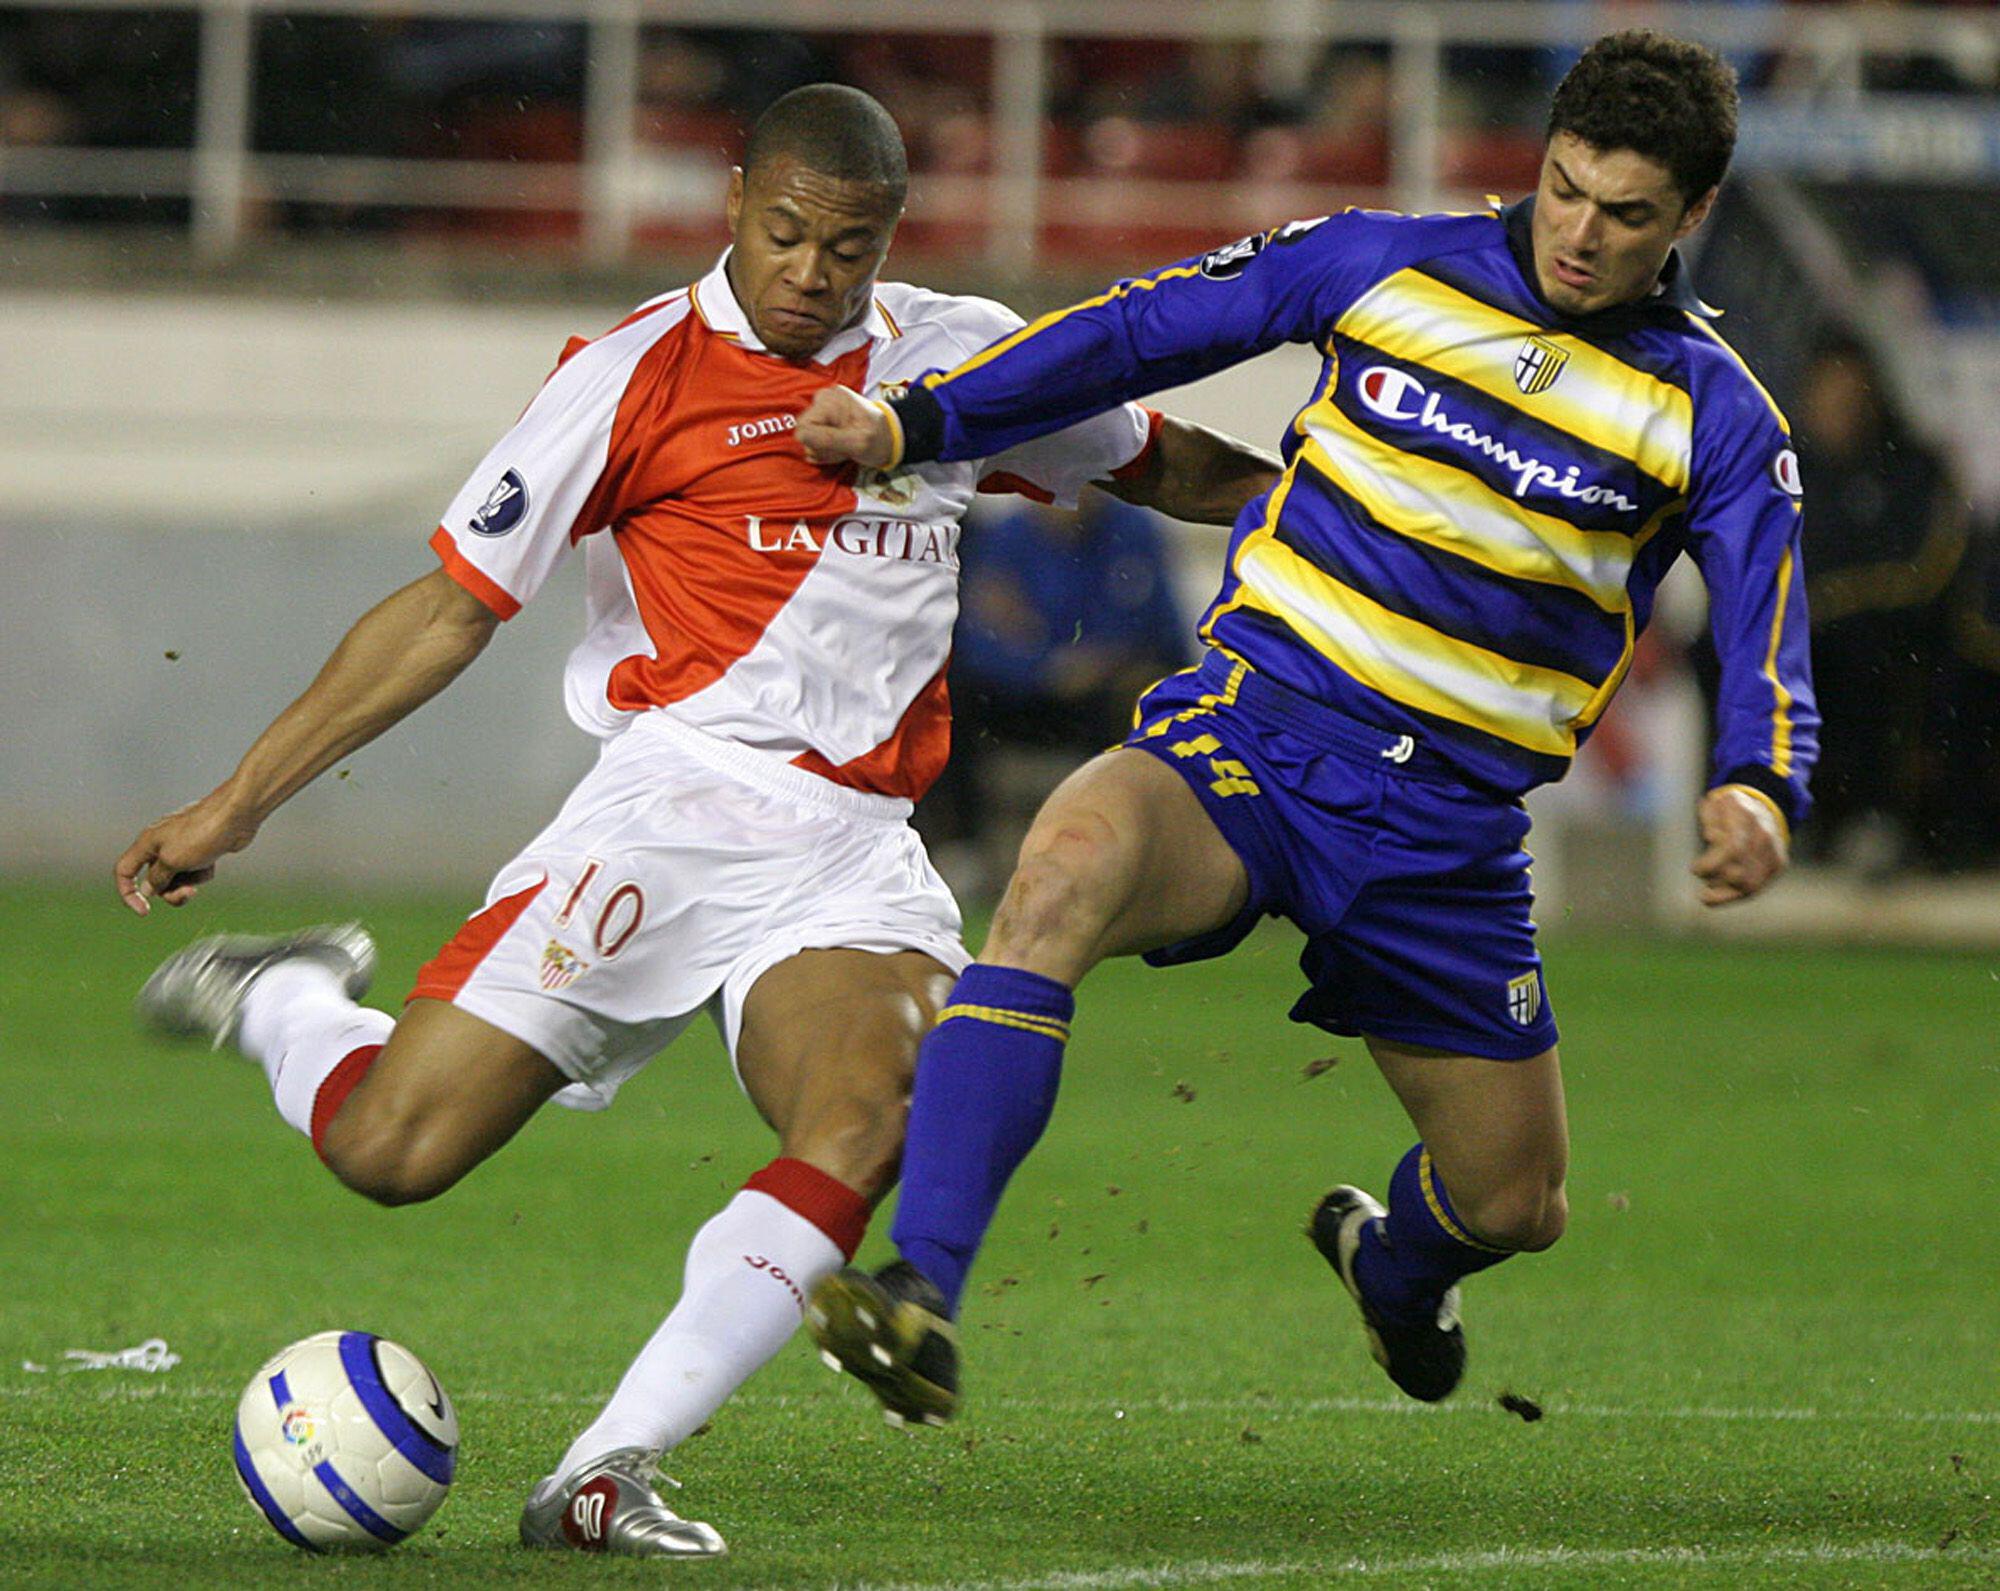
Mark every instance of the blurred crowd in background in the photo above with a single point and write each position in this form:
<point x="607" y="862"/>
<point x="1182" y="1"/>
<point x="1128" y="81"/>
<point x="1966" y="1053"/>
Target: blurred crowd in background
<point x="439" y="88"/>
<point x="1066" y="617"/>
<point x="1904" y="591"/>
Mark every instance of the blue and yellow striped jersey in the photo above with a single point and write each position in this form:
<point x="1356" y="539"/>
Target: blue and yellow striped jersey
<point x="1480" y="495"/>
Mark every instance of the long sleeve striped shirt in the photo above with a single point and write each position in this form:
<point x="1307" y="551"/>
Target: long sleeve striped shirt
<point x="1480" y="495"/>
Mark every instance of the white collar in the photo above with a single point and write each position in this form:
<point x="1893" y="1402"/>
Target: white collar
<point x="715" y="302"/>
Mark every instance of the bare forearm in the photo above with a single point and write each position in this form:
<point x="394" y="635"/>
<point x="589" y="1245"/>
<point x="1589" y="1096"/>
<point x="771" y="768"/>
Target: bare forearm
<point x="1199" y="475"/>
<point x="397" y="656"/>
<point x="401" y="654"/>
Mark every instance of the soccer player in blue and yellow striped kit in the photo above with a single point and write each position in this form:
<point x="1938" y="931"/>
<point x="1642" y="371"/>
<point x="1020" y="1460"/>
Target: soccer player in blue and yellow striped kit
<point x="1523" y="418"/>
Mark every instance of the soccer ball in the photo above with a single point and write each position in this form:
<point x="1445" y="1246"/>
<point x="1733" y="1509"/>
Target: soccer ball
<point x="345" y="1440"/>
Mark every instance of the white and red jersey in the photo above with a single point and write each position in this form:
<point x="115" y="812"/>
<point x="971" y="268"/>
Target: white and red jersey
<point x="753" y="595"/>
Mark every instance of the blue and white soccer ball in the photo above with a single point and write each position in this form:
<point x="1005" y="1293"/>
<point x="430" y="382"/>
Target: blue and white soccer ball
<point x="345" y="1440"/>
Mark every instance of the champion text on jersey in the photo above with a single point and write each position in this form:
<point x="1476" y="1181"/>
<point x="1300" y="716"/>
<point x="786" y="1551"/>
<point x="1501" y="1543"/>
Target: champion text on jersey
<point x="503" y="507"/>
<point x="1397" y="395"/>
<point x="860" y="536"/>
<point x="1466" y="541"/>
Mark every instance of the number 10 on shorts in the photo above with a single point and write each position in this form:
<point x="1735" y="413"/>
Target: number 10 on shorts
<point x="619" y="918"/>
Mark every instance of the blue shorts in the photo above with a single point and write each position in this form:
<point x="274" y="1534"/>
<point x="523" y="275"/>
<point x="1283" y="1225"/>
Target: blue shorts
<point x="1411" y="887"/>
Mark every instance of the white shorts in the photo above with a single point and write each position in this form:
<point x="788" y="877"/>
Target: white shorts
<point x="678" y="872"/>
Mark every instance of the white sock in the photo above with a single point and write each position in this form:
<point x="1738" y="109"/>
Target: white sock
<point x="298" y="1024"/>
<point x="749" y="1272"/>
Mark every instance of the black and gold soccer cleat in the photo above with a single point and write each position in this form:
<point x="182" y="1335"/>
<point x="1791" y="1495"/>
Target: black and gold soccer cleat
<point x="1425" y="1358"/>
<point x="891" y="1331"/>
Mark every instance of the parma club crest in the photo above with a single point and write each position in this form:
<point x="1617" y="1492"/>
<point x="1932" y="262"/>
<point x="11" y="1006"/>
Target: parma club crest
<point x="1538" y="365"/>
<point x="1524" y="998"/>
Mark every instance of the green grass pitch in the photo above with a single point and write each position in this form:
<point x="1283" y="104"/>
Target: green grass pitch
<point x="1768" y="1352"/>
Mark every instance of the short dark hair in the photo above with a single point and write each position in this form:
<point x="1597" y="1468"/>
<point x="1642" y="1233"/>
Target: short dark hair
<point x="836" y="131"/>
<point x="1660" y="97"/>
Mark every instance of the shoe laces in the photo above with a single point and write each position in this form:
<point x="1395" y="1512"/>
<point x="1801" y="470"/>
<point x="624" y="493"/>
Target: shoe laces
<point x="646" y="1467"/>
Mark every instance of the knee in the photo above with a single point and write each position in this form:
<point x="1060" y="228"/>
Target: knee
<point x="1068" y="884"/>
<point x="1528" y="1215"/>
<point x="386" y="1156"/>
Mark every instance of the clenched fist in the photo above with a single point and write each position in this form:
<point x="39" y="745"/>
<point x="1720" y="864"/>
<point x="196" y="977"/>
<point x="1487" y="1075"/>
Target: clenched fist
<point x="174" y="857"/>
<point x="1746" y="845"/>
<point x="840" y="426"/>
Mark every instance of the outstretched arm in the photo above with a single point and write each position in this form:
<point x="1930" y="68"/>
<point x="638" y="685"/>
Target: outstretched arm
<point x="1198" y="475"/>
<point x="1192" y="473"/>
<point x="1141" y="336"/>
<point x="399" y="655"/>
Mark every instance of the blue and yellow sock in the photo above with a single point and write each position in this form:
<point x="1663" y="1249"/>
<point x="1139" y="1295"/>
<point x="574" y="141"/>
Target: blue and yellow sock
<point x="986" y="1083"/>
<point x="1407" y="1260"/>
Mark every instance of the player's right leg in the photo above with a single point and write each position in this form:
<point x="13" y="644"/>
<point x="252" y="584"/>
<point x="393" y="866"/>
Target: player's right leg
<point x="1122" y="858"/>
<point x="446" y="1091"/>
<point x="399" y="1111"/>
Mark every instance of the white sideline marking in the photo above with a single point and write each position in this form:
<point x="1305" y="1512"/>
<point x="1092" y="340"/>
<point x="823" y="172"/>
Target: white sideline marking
<point x="1271" y="1408"/>
<point x="1512" y="1558"/>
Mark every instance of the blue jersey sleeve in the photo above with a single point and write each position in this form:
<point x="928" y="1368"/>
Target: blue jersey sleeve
<point x="1149" y="332"/>
<point x="1745" y="510"/>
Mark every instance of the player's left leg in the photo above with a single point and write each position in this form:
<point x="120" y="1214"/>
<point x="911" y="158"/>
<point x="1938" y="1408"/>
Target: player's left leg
<point x="1434" y="961"/>
<point x="1496" y="1135"/>
<point x="1484" y="1183"/>
<point x="826" y="1049"/>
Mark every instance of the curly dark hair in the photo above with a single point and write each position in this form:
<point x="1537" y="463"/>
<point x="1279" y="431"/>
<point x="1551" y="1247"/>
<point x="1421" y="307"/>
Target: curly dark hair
<point x="1660" y="97"/>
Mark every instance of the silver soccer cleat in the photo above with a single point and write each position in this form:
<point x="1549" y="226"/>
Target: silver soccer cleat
<point x="610" y="1506"/>
<point x="198" y="992"/>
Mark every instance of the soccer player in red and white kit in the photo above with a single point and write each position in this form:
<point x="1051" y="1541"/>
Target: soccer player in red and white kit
<point x="764" y="663"/>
